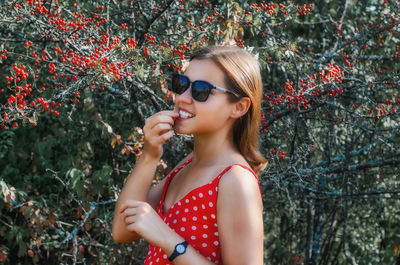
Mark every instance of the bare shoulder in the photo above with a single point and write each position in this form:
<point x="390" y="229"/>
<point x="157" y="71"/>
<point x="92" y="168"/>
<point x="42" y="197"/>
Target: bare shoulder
<point x="240" y="181"/>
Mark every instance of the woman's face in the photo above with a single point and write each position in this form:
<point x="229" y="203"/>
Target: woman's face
<point x="205" y="117"/>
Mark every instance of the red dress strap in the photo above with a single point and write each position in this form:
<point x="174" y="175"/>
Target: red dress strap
<point x="166" y="184"/>
<point x="218" y="178"/>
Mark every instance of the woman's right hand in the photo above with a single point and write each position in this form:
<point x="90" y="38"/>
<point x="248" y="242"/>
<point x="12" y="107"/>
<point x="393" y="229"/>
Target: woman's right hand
<point x="157" y="129"/>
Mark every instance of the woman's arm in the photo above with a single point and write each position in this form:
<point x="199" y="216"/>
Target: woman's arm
<point x="240" y="221"/>
<point x="157" y="130"/>
<point x="144" y="220"/>
<point x="136" y="188"/>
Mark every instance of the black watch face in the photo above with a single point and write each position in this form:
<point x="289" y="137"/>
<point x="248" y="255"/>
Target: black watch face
<point x="180" y="248"/>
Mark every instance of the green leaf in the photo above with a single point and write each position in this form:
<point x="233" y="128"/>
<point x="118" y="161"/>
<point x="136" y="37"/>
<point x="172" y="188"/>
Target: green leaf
<point x="22" y="249"/>
<point x="101" y="177"/>
<point x="76" y="181"/>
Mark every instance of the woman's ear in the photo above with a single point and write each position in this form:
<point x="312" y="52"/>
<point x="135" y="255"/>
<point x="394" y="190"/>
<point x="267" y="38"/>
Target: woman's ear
<point x="240" y="108"/>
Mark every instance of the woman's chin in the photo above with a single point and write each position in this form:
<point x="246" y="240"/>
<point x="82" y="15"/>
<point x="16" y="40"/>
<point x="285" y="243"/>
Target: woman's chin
<point x="182" y="131"/>
<point x="179" y="130"/>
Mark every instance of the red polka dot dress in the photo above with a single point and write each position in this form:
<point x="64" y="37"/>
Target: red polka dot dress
<point x="194" y="217"/>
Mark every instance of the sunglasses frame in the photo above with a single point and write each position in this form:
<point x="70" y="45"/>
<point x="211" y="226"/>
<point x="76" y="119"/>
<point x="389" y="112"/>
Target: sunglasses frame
<point x="211" y="86"/>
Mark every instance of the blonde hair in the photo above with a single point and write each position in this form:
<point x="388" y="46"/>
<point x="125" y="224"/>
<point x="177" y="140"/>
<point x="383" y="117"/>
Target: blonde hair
<point x="242" y="76"/>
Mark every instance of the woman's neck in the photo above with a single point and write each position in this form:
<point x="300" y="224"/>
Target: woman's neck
<point x="212" y="149"/>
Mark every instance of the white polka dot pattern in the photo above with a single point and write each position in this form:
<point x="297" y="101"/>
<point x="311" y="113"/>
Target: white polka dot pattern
<point x="194" y="217"/>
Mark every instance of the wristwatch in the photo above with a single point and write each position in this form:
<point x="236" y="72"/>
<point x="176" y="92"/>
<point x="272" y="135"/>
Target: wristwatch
<point x="179" y="250"/>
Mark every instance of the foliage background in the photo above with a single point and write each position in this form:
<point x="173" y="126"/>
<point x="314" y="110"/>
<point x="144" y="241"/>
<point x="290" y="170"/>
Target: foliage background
<point x="78" y="78"/>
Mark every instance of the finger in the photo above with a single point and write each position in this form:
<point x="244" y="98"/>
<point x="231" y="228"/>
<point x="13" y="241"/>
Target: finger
<point x="162" y="120"/>
<point x="130" y="220"/>
<point x="151" y="130"/>
<point x="164" y="137"/>
<point x="171" y="113"/>
<point x="162" y="128"/>
<point x="154" y="120"/>
<point x="130" y="211"/>
<point x="128" y="203"/>
<point x="161" y="117"/>
<point x="133" y="227"/>
<point x="158" y="130"/>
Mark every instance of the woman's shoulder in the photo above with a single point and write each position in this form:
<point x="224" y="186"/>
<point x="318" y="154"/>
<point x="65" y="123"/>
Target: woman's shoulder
<point x="239" y="179"/>
<point x="239" y="173"/>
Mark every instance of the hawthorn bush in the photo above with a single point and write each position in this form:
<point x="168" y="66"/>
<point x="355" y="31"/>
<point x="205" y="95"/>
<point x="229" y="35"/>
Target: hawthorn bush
<point x="78" y="79"/>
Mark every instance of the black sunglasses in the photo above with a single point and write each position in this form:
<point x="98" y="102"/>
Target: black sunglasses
<point x="200" y="89"/>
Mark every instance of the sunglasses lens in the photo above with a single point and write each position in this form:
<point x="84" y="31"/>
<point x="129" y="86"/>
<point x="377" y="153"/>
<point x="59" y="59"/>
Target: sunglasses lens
<point x="201" y="90"/>
<point x="179" y="83"/>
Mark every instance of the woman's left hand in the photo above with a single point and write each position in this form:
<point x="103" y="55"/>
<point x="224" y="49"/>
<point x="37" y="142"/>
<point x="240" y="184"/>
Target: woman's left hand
<point x="141" y="218"/>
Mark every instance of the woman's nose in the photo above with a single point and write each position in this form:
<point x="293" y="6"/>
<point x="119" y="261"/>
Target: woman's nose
<point x="185" y="97"/>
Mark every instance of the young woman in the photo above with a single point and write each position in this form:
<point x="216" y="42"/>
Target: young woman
<point x="208" y="210"/>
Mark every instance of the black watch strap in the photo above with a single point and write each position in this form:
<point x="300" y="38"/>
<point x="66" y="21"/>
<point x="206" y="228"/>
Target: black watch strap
<point x="179" y="250"/>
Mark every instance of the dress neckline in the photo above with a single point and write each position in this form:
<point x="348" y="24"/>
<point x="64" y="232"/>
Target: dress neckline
<point x="167" y="185"/>
<point x="163" y="213"/>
